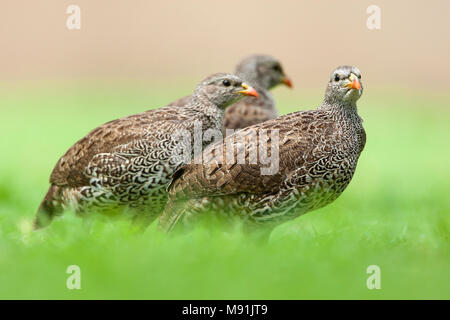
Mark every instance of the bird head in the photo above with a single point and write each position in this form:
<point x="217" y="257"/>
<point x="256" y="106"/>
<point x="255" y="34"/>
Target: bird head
<point x="263" y="70"/>
<point x="345" y="85"/>
<point x="223" y="89"/>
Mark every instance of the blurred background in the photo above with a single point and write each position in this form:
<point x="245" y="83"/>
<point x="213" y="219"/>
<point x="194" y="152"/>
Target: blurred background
<point x="57" y="84"/>
<point x="176" y="39"/>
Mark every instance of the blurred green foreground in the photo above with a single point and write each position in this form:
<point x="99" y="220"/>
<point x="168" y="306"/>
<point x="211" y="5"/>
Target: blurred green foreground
<point x="395" y="214"/>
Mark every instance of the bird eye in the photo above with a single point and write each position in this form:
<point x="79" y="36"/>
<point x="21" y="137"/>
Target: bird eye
<point x="336" y="77"/>
<point x="277" y="68"/>
<point x="226" y="83"/>
<point x="359" y="76"/>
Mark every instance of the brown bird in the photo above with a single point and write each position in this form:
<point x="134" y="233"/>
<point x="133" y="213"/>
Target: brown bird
<point x="314" y="157"/>
<point x="128" y="162"/>
<point x="262" y="72"/>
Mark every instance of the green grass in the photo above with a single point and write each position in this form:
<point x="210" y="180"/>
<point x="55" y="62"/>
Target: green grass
<point x="395" y="213"/>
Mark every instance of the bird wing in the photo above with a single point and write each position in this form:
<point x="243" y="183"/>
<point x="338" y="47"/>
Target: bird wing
<point x="250" y="111"/>
<point x="244" y="115"/>
<point x="218" y="175"/>
<point x="107" y="138"/>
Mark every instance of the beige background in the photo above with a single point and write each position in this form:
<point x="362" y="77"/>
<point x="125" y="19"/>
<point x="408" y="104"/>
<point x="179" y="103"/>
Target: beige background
<point x="150" y="39"/>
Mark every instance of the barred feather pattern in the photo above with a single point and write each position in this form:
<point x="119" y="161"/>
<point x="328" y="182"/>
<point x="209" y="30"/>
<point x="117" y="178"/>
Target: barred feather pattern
<point x="318" y="154"/>
<point x="319" y="151"/>
<point x="127" y="163"/>
<point x="134" y="174"/>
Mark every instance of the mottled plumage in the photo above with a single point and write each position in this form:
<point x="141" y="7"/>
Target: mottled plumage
<point x="318" y="153"/>
<point x="263" y="73"/>
<point x="128" y="162"/>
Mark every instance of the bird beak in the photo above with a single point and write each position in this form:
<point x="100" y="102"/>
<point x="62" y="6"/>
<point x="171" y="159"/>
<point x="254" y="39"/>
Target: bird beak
<point x="287" y="81"/>
<point x="354" y="82"/>
<point x="248" y="91"/>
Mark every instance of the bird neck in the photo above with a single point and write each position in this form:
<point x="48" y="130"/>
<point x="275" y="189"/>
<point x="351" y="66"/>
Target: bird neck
<point x="341" y="110"/>
<point x="205" y="108"/>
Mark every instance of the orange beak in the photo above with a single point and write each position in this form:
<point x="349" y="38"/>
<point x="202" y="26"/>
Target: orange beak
<point x="354" y="84"/>
<point x="248" y="91"/>
<point x="287" y="82"/>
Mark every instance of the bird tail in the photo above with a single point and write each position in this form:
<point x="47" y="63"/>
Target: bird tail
<point x="172" y="213"/>
<point x="182" y="213"/>
<point x="49" y="208"/>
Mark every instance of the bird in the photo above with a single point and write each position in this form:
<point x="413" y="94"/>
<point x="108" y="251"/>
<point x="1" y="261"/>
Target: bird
<point x="262" y="72"/>
<point x="315" y="156"/>
<point x="126" y="163"/>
